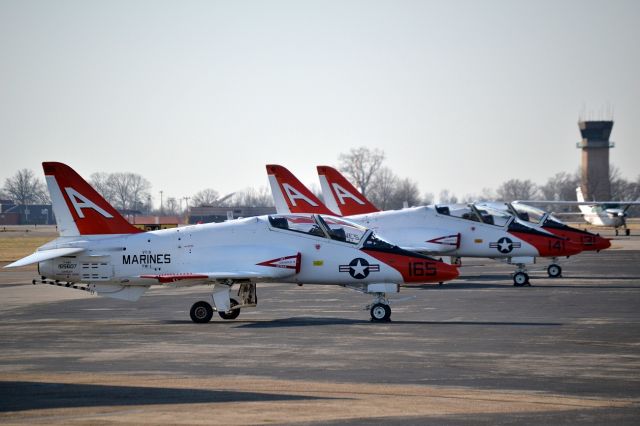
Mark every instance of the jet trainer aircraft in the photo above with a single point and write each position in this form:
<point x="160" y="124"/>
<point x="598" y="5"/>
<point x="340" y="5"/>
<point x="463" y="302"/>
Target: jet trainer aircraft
<point x="611" y="214"/>
<point x="543" y="220"/>
<point x="100" y="252"/>
<point x="426" y="229"/>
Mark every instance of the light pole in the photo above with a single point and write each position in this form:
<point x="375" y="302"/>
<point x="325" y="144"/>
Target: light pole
<point x="161" y="206"/>
<point x="186" y="209"/>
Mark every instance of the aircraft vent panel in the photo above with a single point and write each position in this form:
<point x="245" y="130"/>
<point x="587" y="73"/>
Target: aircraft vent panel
<point x="96" y="271"/>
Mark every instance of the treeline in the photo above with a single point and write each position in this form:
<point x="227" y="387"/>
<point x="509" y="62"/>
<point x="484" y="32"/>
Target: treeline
<point x="363" y="166"/>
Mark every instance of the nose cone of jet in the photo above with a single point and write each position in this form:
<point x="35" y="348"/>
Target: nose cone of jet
<point x="447" y="272"/>
<point x="586" y="240"/>
<point x="602" y="243"/>
<point x="570" y="249"/>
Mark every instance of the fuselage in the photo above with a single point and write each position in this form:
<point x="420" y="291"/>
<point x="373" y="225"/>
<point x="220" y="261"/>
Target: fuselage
<point x="504" y="239"/>
<point x="542" y="220"/>
<point x="246" y="244"/>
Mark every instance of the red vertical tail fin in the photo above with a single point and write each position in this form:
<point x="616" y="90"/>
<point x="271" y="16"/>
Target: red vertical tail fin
<point x="340" y="195"/>
<point x="79" y="209"/>
<point x="290" y="195"/>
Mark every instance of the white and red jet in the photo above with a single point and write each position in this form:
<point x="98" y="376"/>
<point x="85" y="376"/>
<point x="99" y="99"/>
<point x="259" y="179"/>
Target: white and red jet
<point x="99" y="251"/>
<point x="426" y="229"/>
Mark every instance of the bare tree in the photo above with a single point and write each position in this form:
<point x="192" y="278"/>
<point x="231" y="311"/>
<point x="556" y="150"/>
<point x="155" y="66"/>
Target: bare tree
<point x="171" y="207"/>
<point x="100" y="182"/>
<point x="447" y="198"/>
<point x="428" y="198"/>
<point x="206" y="197"/>
<point x="252" y="197"/>
<point x="560" y="187"/>
<point x="25" y="188"/>
<point x="487" y="194"/>
<point x="516" y="189"/>
<point x="406" y="191"/>
<point x="382" y="188"/>
<point x="361" y="165"/>
<point x="123" y="190"/>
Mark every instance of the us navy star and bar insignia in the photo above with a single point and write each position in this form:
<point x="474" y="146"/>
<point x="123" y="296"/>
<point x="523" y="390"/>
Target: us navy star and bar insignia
<point x="359" y="268"/>
<point x="505" y="245"/>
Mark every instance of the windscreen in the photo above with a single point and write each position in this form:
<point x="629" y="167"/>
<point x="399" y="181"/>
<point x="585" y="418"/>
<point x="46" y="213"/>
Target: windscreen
<point x="377" y="242"/>
<point x="341" y="230"/>
<point x="297" y="223"/>
<point x="480" y="213"/>
<point x="529" y="213"/>
<point x="494" y="216"/>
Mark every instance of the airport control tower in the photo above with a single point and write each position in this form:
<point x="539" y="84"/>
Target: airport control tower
<point x="595" y="147"/>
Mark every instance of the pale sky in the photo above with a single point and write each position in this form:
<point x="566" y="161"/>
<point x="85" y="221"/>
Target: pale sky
<point x="194" y="94"/>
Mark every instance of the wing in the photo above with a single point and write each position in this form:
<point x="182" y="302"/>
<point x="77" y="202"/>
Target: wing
<point x="42" y="255"/>
<point x="424" y="240"/>
<point x="268" y="270"/>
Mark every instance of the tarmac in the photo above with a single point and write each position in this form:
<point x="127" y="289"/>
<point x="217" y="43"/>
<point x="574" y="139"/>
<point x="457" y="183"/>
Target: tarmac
<point x="474" y="351"/>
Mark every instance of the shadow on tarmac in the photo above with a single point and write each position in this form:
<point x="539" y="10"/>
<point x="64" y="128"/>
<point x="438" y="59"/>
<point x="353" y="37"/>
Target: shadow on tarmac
<point x="21" y="396"/>
<point x="322" y="321"/>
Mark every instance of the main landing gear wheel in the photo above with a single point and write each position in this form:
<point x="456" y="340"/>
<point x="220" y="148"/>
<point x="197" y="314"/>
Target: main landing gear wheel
<point x="232" y="313"/>
<point x="520" y="279"/>
<point x="201" y="312"/>
<point x="627" y="232"/>
<point x="380" y="312"/>
<point x="554" y="270"/>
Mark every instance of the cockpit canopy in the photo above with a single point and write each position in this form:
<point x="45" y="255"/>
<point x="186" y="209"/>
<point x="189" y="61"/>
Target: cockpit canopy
<point x="476" y="213"/>
<point x="525" y="213"/>
<point x="320" y="226"/>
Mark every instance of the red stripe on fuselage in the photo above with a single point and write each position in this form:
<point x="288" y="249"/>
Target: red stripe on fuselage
<point x="549" y="246"/>
<point x="586" y="240"/>
<point x="416" y="269"/>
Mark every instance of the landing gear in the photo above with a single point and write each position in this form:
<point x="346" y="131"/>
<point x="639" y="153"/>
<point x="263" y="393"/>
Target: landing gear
<point x="380" y="313"/>
<point x="554" y="270"/>
<point x="521" y="279"/>
<point x="231" y="313"/>
<point x="627" y="232"/>
<point x="201" y="312"/>
<point x="380" y="309"/>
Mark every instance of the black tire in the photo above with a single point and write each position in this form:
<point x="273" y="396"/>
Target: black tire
<point x="231" y="314"/>
<point x="554" y="271"/>
<point x="380" y="312"/>
<point x="201" y="312"/>
<point x="627" y="232"/>
<point x="520" y="279"/>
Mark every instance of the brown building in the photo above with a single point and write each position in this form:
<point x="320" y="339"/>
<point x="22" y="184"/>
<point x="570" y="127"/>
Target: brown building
<point x="153" y="223"/>
<point x="208" y="214"/>
<point x="595" y="147"/>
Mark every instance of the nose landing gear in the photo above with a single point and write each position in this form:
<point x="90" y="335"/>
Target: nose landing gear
<point x="554" y="270"/>
<point x="521" y="279"/>
<point x="380" y="313"/>
<point x="380" y="309"/>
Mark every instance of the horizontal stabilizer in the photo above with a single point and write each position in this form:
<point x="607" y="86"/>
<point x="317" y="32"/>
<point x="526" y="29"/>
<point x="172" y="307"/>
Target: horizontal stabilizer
<point x="43" y="255"/>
